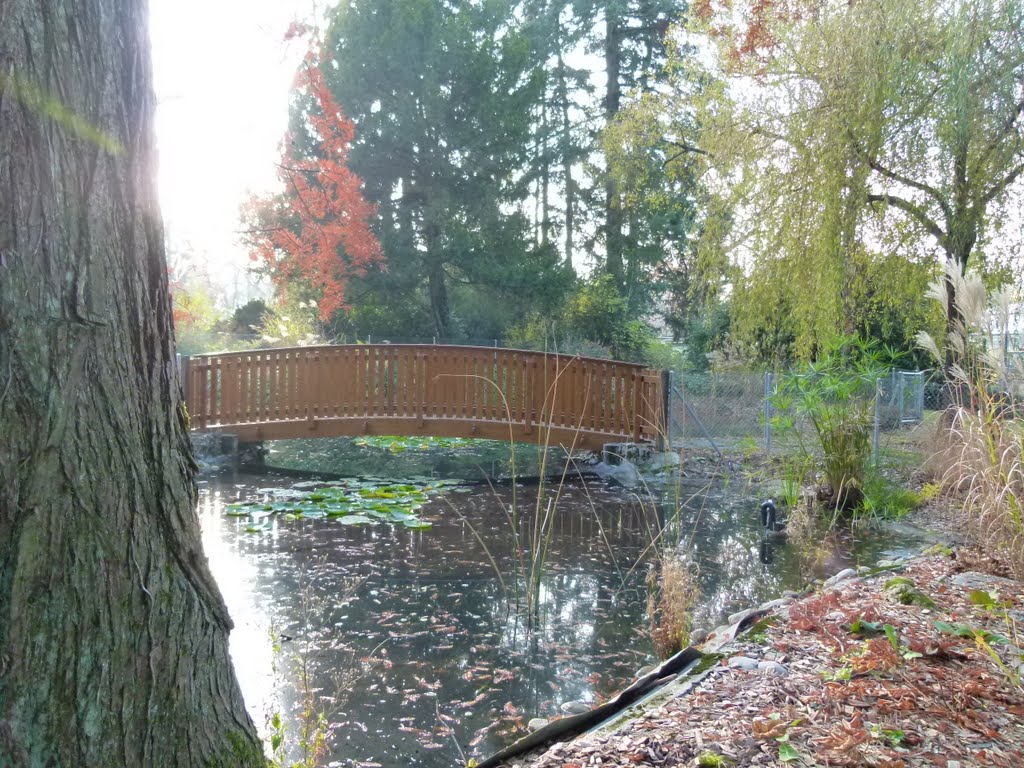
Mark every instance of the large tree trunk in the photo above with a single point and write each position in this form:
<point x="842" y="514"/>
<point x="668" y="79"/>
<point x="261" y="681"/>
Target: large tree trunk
<point x="113" y="635"/>
<point x="565" y="133"/>
<point x="613" y="220"/>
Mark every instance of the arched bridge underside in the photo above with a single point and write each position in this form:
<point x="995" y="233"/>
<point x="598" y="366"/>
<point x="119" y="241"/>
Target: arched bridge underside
<point x="438" y="391"/>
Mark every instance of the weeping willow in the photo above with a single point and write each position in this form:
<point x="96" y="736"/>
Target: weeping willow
<point x="838" y="135"/>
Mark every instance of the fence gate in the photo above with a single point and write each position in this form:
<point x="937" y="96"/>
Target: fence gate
<point x="902" y="398"/>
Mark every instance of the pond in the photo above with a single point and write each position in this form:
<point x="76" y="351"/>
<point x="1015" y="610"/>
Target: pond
<point x="409" y="638"/>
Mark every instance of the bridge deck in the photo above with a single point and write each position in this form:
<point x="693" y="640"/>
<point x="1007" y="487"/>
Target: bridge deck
<point x="441" y="391"/>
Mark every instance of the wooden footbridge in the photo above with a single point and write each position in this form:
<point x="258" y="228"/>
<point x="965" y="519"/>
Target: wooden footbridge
<point x="429" y="390"/>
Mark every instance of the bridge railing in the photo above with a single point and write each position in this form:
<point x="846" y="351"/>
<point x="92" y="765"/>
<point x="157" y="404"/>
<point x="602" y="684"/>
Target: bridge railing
<point x="423" y="389"/>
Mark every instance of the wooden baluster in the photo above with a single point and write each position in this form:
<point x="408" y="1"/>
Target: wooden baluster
<point x="342" y="380"/>
<point x="229" y="393"/>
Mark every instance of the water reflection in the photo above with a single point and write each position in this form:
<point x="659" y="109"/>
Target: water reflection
<point x="424" y="619"/>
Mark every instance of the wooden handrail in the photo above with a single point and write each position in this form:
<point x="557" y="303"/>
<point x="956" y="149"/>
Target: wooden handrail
<point x="423" y="389"/>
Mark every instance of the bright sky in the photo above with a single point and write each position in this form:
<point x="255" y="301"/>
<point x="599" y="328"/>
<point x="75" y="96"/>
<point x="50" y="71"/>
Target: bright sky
<point x="222" y="76"/>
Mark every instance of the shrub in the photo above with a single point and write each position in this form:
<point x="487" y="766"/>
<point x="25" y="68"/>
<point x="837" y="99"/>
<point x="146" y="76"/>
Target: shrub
<point x="835" y="395"/>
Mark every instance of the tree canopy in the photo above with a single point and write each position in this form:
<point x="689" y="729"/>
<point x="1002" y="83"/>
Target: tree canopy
<point x="839" y="134"/>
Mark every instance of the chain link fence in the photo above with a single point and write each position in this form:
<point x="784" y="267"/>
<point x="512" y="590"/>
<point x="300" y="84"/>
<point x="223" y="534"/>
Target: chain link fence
<point x="738" y="413"/>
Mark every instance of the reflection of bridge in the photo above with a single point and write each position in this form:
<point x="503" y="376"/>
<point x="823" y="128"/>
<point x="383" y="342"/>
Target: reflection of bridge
<point x="441" y="391"/>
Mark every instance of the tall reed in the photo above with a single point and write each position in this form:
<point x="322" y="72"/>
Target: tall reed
<point x="981" y="444"/>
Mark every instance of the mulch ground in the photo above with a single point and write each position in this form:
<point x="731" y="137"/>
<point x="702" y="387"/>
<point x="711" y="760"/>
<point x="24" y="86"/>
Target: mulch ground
<point x="869" y="682"/>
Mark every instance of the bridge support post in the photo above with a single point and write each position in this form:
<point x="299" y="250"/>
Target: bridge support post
<point x="251" y="454"/>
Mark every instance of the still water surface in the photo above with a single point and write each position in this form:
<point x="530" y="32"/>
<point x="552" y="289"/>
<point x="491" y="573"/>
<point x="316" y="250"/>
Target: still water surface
<point x="422" y="622"/>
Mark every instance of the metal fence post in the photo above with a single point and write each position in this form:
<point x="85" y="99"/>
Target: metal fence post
<point x="767" y="412"/>
<point x="878" y="422"/>
<point x="901" y="385"/>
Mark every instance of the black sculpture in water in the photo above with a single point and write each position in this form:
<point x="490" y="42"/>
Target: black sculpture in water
<point x="771" y="526"/>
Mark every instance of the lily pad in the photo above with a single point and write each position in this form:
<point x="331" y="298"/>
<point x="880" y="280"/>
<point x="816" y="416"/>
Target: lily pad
<point x="354" y="520"/>
<point x="351" y="501"/>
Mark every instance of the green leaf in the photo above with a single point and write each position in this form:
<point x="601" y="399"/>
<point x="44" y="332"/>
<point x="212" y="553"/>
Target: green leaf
<point x="984" y="598"/>
<point x="894" y="638"/>
<point x="865" y="628"/>
<point x="962" y="630"/>
<point x="787" y="753"/>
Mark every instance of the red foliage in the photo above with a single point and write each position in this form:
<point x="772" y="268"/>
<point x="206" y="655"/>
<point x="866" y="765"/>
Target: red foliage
<point x="750" y="28"/>
<point x="320" y="229"/>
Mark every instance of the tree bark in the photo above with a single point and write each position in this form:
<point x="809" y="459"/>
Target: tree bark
<point x="613" y="221"/>
<point x="113" y="634"/>
<point x="565" y="133"/>
<point x="439" y="307"/>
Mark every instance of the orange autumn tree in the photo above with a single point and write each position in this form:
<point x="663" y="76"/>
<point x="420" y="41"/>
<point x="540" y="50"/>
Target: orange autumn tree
<point x="318" y="230"/>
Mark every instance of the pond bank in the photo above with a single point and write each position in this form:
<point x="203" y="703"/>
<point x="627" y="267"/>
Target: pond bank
<point x="918" y="665"/>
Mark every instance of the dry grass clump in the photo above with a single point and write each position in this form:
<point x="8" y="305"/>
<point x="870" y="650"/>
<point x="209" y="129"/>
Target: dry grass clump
<point x="671" y="596"/>
<point x="982" y="446"/>
<point x="809" y="533"/>
<point x="984" y="466"/>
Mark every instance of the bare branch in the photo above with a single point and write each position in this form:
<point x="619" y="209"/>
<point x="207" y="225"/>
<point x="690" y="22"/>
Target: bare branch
<point x="929" y="190"/>
<point x="1000" y="186"/>
<point x="1007" y="128"/>
<point x="916" y="211"/>
<point x="688" y="148"/>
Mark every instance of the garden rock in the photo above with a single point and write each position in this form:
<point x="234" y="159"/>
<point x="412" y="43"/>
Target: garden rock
<point x="974" y="580"/>
<point x="843" y="575"/>
<point x="772" y="668"/>
<point x="743" y="662"/>
<point x="625" y="474"/>
<point x="663" y="460"/>
<point x="575" y="707"/>
<point x="740" y="615"/>
<point x="771" y="605"/>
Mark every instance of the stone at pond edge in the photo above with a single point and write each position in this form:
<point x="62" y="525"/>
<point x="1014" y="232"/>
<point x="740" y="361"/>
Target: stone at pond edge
<point x="772" y="668"/>
<point x="536" y="724"/>
<point x="625" y="474"/>
<point x="773" y="604"/>
<point x="575" y="707"/>
<point x="975" y="580"/>
<point x="743" y="662"/>
<point x="843" y="575"/>
<point x="740" y="615"/>
<point x="663" y="461"/>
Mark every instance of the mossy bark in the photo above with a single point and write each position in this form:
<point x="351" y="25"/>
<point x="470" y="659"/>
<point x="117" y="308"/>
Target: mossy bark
<point x="113" y="635"/>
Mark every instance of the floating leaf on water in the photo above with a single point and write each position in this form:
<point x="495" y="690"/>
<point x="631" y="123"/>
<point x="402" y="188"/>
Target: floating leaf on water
<point x="354" y="519"/>
<point x="351" y="500"/>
